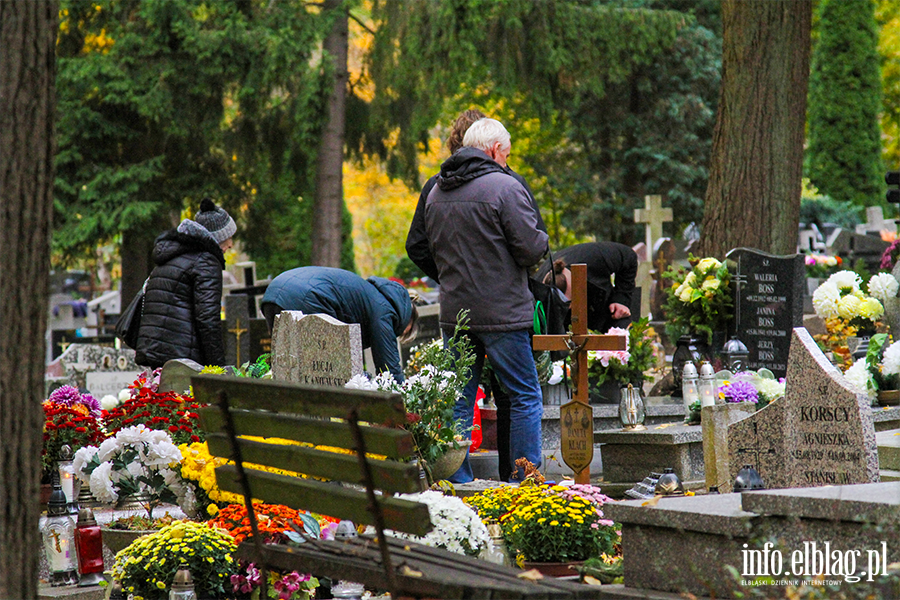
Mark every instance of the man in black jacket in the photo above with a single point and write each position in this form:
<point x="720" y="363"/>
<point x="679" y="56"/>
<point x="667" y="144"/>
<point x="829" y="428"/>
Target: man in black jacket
<point x="181" y="316"/>
<point x="482" y="231"/>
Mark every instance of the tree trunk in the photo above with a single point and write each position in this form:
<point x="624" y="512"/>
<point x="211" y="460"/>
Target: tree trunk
<point x="27" y="148"/>
<point x="753" y="197"/>
<point x="326" y="218"/>
<point x="137" y="246"/>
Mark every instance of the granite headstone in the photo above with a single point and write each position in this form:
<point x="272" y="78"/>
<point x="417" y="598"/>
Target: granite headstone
<point x="768" y="304"/>
<point x="260" y="339"/>
<point x="100" y="370"/>
<point x="315" y="349"/>
<point x="236" y="330"/>
<point x="851" y="247"/>
<point x="820" y="433"/>
<point x="176" y="375"/>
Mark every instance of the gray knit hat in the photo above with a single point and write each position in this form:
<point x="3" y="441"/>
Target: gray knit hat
<point x="216" y="220"/>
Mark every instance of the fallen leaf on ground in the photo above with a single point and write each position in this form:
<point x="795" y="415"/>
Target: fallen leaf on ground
<point x="532" y="575"/>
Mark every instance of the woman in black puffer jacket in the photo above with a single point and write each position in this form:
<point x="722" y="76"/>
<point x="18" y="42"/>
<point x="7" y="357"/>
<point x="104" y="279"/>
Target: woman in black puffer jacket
<point x="181" y="315"/>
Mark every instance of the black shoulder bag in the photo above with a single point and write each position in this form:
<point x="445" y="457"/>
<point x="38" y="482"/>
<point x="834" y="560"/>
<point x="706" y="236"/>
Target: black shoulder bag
<point x="129" y="324"/>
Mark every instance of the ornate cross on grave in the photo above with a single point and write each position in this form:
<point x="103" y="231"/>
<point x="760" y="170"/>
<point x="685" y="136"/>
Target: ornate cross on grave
<point x="576" y="417"/>
<point x="238" y="332"/>
<point x="654" y="215"/>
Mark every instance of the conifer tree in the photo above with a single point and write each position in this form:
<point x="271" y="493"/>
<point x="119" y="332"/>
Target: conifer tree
<point x="843" y="157"/>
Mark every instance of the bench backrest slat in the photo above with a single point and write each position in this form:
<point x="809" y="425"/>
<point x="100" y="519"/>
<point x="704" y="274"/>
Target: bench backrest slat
<point x="388" y="476"/>
<point x="379" y="408"/>
<point x="389" y="442"/>
<point x="327" y="499"/>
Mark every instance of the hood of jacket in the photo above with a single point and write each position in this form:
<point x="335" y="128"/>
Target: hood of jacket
<point x="398" y="296"/>
<point x="464" y="166"/>
<point x="189" y="236"/>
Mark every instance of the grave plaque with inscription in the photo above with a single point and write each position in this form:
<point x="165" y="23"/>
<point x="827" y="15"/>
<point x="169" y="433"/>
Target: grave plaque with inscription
<point x="315" y="349"/>
<point x="820" y="433"/>
<point x="768" y="304"/>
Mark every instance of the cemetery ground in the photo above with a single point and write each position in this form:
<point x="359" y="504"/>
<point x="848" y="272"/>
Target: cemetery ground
<point x="751" y="486"/>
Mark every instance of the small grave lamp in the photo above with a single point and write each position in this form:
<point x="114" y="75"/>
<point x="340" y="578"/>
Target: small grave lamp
<point x="67" y="477"/>
<point x="669" y="484"/>
<point x="736" y="355"/>
<point x="345" y="530"/>
<point x="631" y="410"/>
<point x="183" y="585"/>
<point x="690" y="389"/>
<point x="688" y="348"/>
<point x="748" y="479"/>
<point x="89" y="543"/>
<point x="707" y="386"/>
<point x="59" y="539"/>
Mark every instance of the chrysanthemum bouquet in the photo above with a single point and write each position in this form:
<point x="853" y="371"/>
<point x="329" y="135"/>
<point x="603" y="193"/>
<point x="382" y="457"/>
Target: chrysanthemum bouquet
<point x="457" y="526"/>
<point x="752" y="387"/>
<point x="138" y="462"/>
<point x="70" y="418"/>
<point x="546" y="526"/>
<point x="879" y="370"/>
<point x="843" y="305"/>
<point x="821" y="265"/>
<point x="168" y="411"/>
<point x="147" y="567"/>
<point x="699" y="300"/>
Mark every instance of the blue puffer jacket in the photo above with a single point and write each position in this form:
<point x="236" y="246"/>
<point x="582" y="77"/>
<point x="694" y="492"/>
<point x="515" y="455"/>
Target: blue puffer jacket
<point x="183" y="303"/>
<point x="381" y="307"/>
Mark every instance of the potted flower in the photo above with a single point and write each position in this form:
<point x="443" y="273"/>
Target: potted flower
<point x="429" y="397"/>
<point x="136" y="463"/>
<point x="616" y="369"/>
<point x="457" y="526"/>
<point x="699" y="301"/>
<point x="171" y="412"/>
<point x="546" y="525"/>
<point x="147" y="567"/>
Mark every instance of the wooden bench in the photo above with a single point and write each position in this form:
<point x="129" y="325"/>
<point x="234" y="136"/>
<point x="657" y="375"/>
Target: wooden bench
<point x="364" y="423"/>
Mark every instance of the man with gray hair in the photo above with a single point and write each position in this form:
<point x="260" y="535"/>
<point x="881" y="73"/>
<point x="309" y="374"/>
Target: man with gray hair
<point x="483" y="233"/>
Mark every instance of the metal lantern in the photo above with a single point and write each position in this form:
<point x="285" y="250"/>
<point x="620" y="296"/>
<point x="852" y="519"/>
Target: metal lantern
<point x="707" y="386"/>
<point x="688" y="348"/>
<point x="67" y="477"/>
<point x="748" y="479"/>
<point x="736" y="355"/>
<point x="631" y="409"/>
<point x="669" y="484"/>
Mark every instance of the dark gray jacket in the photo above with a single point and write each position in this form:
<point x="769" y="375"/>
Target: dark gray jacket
<point x="482" y="231"/>
<point x="181" y="316"/>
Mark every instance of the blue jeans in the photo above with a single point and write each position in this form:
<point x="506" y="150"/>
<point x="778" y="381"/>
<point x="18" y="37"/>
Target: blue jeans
<point x="513" y="362"/>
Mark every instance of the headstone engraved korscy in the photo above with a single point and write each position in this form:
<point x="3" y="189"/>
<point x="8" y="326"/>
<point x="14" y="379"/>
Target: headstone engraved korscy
<point x="820" y="433"/>
<point x="768" y="304"/>
<point x="315" y="349"/>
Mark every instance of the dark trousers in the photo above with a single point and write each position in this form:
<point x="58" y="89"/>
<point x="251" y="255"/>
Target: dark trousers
<point x="501" y="400"/>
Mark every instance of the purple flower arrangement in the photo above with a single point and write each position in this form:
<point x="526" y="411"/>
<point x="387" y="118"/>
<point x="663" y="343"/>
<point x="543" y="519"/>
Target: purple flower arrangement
<point x="68" y="395"/>
<point x="738" y="391"/>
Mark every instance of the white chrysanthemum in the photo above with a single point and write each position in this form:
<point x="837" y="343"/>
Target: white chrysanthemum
<point x="360" y="382"/>
<point x="708" y="263"/>
<point x="770" y="389"/>
<point x="890" y="363"/>
<point x="124" y="394"/>
<point x="132" y="435"/>
<point x="859" y="377"/>
<point x="101" y="483"/>
<point x="108" y="448"/>
<point x="109" y="402"/>
<point x="845" y="280"/>
<point x="685" y="295"/>
<point x="825" y="300"/>
<point x="457" y="527"/>
<point x="848" y="306"/>
<point x="870" y="308"/>
<point x="690" y="280"/>
<point x="884" y="286"/>
<point x="82" y="457"/>
<point x="162" y="453"/>
<point x="135" y="469"/>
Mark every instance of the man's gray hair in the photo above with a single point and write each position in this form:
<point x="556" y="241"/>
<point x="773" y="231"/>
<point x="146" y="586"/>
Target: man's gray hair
<point x="484" y="133"/>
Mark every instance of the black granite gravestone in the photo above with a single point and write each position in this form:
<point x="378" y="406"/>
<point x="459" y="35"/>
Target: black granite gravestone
<point x="768" y="305"/>
<point x="260" y="339"/>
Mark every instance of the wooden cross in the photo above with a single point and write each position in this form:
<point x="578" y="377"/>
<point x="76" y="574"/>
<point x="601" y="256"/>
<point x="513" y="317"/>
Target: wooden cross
<point x="237" y="331"/>
<point x="576" y="417"/>
<point x="654" y="215"/>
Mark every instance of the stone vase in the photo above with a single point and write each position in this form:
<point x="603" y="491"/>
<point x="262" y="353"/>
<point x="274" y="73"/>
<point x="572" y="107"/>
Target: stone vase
<point x="448" y="463"/>
<point x="119" y="539"/>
